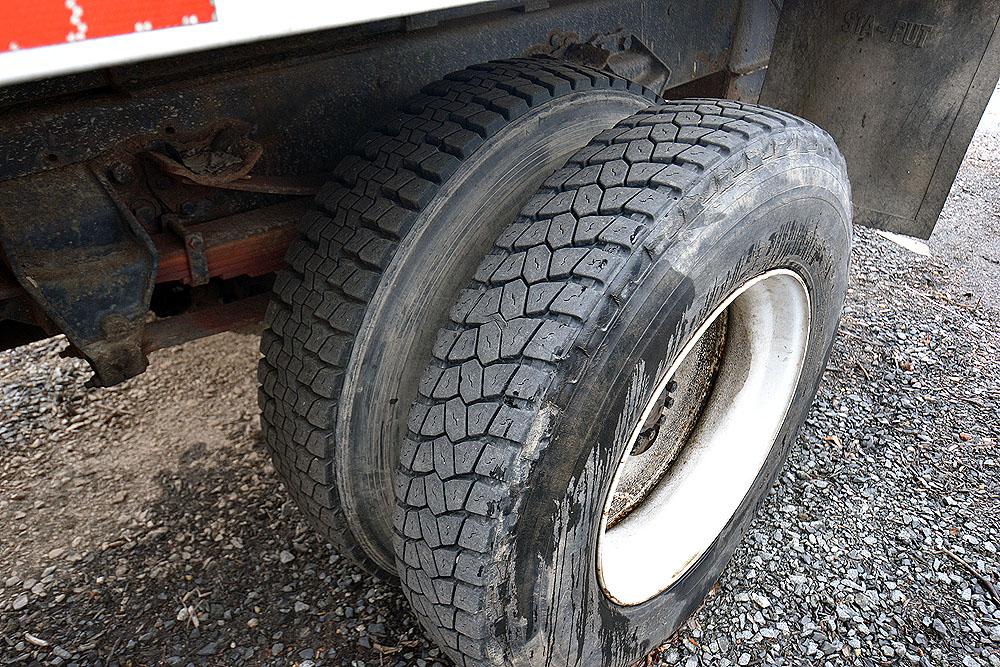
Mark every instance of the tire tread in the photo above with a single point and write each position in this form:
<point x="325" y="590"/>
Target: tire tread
<point x="347" y="242"/>
<point x="526" y="310"/>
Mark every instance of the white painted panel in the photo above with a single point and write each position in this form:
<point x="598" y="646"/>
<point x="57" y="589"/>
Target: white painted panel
<point x="239" y="21"/>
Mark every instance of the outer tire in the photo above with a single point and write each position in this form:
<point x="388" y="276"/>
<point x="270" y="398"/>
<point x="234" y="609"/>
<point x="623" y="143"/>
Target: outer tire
<point x="393" y="239"/>
<point x="610" y="269"/>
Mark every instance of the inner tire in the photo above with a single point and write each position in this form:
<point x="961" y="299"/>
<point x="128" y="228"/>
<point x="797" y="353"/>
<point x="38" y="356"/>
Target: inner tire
<point x="395" y="237"/>
<point x="698" y="238"/>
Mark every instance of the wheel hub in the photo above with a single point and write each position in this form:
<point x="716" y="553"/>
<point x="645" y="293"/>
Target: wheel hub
<point x="669" y="425"/>
<point x="703" y="438"/>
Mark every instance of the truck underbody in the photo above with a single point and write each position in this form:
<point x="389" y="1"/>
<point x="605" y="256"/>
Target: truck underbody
<point x="145" y="204"/>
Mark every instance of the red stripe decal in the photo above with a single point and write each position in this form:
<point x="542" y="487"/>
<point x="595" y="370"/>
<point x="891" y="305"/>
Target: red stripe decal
<point x="25" y="24"/>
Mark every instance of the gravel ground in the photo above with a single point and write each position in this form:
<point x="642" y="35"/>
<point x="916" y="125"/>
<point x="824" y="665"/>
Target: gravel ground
<point x="144" y="524"/>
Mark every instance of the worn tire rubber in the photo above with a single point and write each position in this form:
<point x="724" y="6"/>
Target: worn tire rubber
<point x="400" y="229"/>
<point x="514" y="439"/>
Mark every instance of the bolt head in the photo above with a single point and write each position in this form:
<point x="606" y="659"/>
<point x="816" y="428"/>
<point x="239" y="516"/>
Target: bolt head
<point x="122" y="173"/>
<point x="145" y="213"/>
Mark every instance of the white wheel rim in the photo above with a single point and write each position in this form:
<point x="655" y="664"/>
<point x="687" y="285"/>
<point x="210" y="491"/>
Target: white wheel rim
<point x="644" y="552"/>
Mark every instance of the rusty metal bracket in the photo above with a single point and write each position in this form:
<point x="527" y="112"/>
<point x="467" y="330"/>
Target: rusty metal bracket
<point x="144" y="175"/>
<point x="222" y="156"/>
<point x="213" y="156"/>
<point x="194" y="246"/>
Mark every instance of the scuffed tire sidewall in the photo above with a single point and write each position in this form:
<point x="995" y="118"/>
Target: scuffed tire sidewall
<point x="437" y="257"/>
<point x="791" y="213"/>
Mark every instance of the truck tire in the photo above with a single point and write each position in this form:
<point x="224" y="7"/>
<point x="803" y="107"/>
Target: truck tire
<point x="393" y="239"/>
<point x="619" y="385"/>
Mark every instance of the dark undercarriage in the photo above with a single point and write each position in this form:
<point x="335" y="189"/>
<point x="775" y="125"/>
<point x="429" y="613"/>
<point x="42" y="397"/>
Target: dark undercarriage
<point x="148" y="204"/>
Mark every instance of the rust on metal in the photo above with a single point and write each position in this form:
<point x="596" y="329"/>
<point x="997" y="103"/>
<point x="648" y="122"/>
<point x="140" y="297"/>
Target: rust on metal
<point x="222" y="155"/>
<point x="194" y="246"/>
<point x="308" y="184"/>
<point x="213" y="156"/>
<point x="170" y="331"/>
<point x="169" y="178"/>
<point x="246" y="244"/>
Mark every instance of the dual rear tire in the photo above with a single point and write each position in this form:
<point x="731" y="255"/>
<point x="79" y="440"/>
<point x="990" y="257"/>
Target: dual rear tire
<point x="617" y="355"/>
<point x="393" y="238"/>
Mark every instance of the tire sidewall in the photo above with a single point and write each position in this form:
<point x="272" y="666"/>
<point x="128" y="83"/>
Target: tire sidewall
<point x="791" y="211"/>
<point x="436" y="258"/>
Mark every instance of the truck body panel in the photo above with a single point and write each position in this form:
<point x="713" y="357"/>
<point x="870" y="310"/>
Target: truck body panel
<point x="65" y="33"/>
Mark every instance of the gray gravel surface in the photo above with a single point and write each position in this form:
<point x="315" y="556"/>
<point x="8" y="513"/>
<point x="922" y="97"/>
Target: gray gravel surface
<point x="869" y="549"/>
<point x="967" y="238"/>
<point x="144" y="524"/>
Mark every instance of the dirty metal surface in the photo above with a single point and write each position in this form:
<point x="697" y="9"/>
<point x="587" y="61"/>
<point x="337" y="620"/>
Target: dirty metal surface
<point x="88" y="268"/>
<point x="751" y="52"/>
<point x="187" y="175"/>
<point x="179" y="329"/>
<point x="213" y="156"/>
<point x="194" y="249"/>
<point x="77" y="240"/>
<point x="309" y="108"/>
<point x="901" y="85"/>
<point x="90" y="271"/>
<point x="671" y="423"/>
<point x="251" y="243"/>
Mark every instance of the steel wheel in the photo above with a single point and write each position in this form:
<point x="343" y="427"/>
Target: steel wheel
<point x="722" y="405"/>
